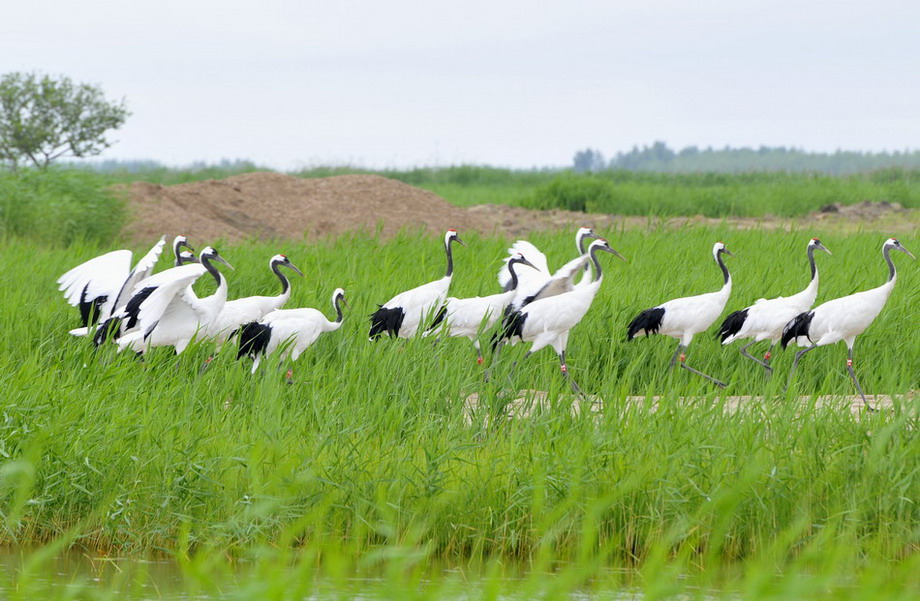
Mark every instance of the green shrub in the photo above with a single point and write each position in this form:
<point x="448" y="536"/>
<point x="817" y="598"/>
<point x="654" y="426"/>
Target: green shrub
<point x="59" y="206"/>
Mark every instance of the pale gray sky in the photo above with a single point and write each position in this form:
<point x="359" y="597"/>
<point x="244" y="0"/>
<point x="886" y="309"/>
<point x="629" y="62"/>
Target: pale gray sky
<point x="413" y="82"/>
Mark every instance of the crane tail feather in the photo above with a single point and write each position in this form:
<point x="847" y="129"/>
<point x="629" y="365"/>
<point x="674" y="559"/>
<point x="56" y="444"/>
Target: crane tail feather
<point x="732" y="324"/>
<point x="649" y="322"/>
<point x="254" y="338"/>
<point x="799" y="326"/>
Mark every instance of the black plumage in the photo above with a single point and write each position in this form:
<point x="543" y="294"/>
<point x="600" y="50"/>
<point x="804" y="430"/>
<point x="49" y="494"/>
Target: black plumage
<point x="254" y="338"/>
<point x="512" y="325"/>
<point x="90" y="309"/>
<point x="439" y="318"/>
<point x="732" y="324"/>
<point x="797" y="327"/>
<point x="386" y="321"/>
<point x="649" y="320"/>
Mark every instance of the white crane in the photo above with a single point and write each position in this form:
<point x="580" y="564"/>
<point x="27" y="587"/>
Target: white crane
<point x="683" y="318"/>
<point x="111" y="324"/>
<point x="765" y="319"/>
<point x="530" y="282"/>
<point x="96" y="285"/>
<point x="172" y="315"/>
<point x="469" y="317"/>
<point x="547" y="321"/>
<point x="843" y="318"/>
<point x="401" y="315"/>
<point x="291" y="329"/>
<point x="240" y="311"/>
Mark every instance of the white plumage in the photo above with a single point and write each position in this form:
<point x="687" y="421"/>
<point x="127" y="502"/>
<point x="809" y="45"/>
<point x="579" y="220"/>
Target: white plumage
<point x="240" y="311"/>
<point x="532" y="283"/>
<point x="547" y="321"/>
<point x="401" y="315"/>
<point x="843" y="318"/>
<point x="97" y="285"/>
<point x="172" y="315"/>
<point x="469" y="317"/>
<point x="292" y="330"/>
<point x="765" y="319"/>
<point x="683" y="318"/>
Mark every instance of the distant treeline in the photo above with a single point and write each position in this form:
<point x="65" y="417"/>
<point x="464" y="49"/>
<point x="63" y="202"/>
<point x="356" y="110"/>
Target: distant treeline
<point x="660" y="158"/>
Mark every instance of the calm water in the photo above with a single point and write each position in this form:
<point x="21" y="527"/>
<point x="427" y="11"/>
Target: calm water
<point x="87" y="575"/>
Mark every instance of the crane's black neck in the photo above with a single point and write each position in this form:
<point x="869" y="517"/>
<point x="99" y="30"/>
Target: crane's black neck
<point x="514" y="278"/>
<point x="891" y="270"/>
<point x="285" y="284"/>
<point x="337" y="305"/>
<point x="450" y="258"/>
<point x="206" y="261"/>
<point x="580" y="243"/>
<point x="725" y="275"/>
<point x="811" y="261"/>
<point x="598" y="272"/>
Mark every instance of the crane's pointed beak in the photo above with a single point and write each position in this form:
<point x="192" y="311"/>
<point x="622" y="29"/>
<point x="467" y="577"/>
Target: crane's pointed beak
<point x="224" y="261"/>
<point x="907" y="252"/>
<point x="524" y="261"/>
<point x="345" y="302"/>
<point x="297" y="271"/>
<point x="616" y="254"/>
<point x="459" y="241"/>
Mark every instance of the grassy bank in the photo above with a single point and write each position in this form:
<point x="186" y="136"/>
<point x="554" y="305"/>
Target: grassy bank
<point x="618" y="192"/>
<point x="372" y="449"/>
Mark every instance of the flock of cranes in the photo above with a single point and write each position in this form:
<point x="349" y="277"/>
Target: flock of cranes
<point x="139" y="310"/>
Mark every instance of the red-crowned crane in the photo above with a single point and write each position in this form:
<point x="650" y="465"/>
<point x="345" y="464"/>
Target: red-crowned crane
<point x="291" y="329"/>
<point x="469" y="317"/>
<point x="547" y="321"/>
<point x="252" y="308"/>
<point x="765" y="319"/>
<point x="683" y="318"/>
<point x="401" y="315"/>
<point x="843" y="318"/>
<point x="530" y="282"/>
<point x="172" y="315"/>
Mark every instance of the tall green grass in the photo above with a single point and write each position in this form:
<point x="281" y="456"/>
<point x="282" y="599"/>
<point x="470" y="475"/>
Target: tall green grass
<point x="59" y="206"/>
<point x="371" y="464"/>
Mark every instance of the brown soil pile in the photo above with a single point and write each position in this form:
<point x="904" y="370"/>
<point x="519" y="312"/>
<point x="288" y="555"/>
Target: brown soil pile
<point x="272" y="205"/>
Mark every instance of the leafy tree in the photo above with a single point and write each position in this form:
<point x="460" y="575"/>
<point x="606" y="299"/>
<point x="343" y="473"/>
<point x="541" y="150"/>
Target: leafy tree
<point x="588" y="160"/>
<point x="43" y="119"/>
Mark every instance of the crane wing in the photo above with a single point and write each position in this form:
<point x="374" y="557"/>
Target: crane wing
<point x="100" y="276"/>
<point x="561" y="281"/>
<point x="141" y="272"/>
<point x="532" y="254"/>
<point x="171" y="297"/>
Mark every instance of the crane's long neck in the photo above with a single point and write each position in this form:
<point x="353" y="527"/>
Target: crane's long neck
<point x="513" y="284"/>
<point x="337" y="306"/>
<point x="218" y="277"/>
<point x="597" y="266"/>
<point x="177" y="251"/>
<point x="892" y="272"/>
<point x="727" y="276"/>
<point x="285" y="284"/>
<point x="450" y="258"/>
<point x="813" y="284"/>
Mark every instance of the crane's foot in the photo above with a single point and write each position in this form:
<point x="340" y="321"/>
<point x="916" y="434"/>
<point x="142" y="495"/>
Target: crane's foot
<point x="718" y="383"/>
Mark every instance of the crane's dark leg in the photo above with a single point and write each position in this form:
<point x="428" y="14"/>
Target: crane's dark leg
<point x="478" y="352"/>
<point x="498" y="349"/>
<point x="765" y="365"/>
<point x="718" y="383"/>
<point x="795" y="363"/>
<point x="568" y="376"/>
<point x="680" y="347"/>
<point x="855" y="381"/>
<point x="290" y="376"/>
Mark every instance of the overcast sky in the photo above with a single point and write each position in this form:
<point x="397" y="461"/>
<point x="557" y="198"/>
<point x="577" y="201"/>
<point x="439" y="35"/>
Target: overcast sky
<point x="399" y="83"/>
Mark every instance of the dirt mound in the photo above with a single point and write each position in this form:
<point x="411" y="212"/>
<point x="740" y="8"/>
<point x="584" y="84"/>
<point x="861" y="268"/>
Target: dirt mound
<point x="272" y="205"/>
